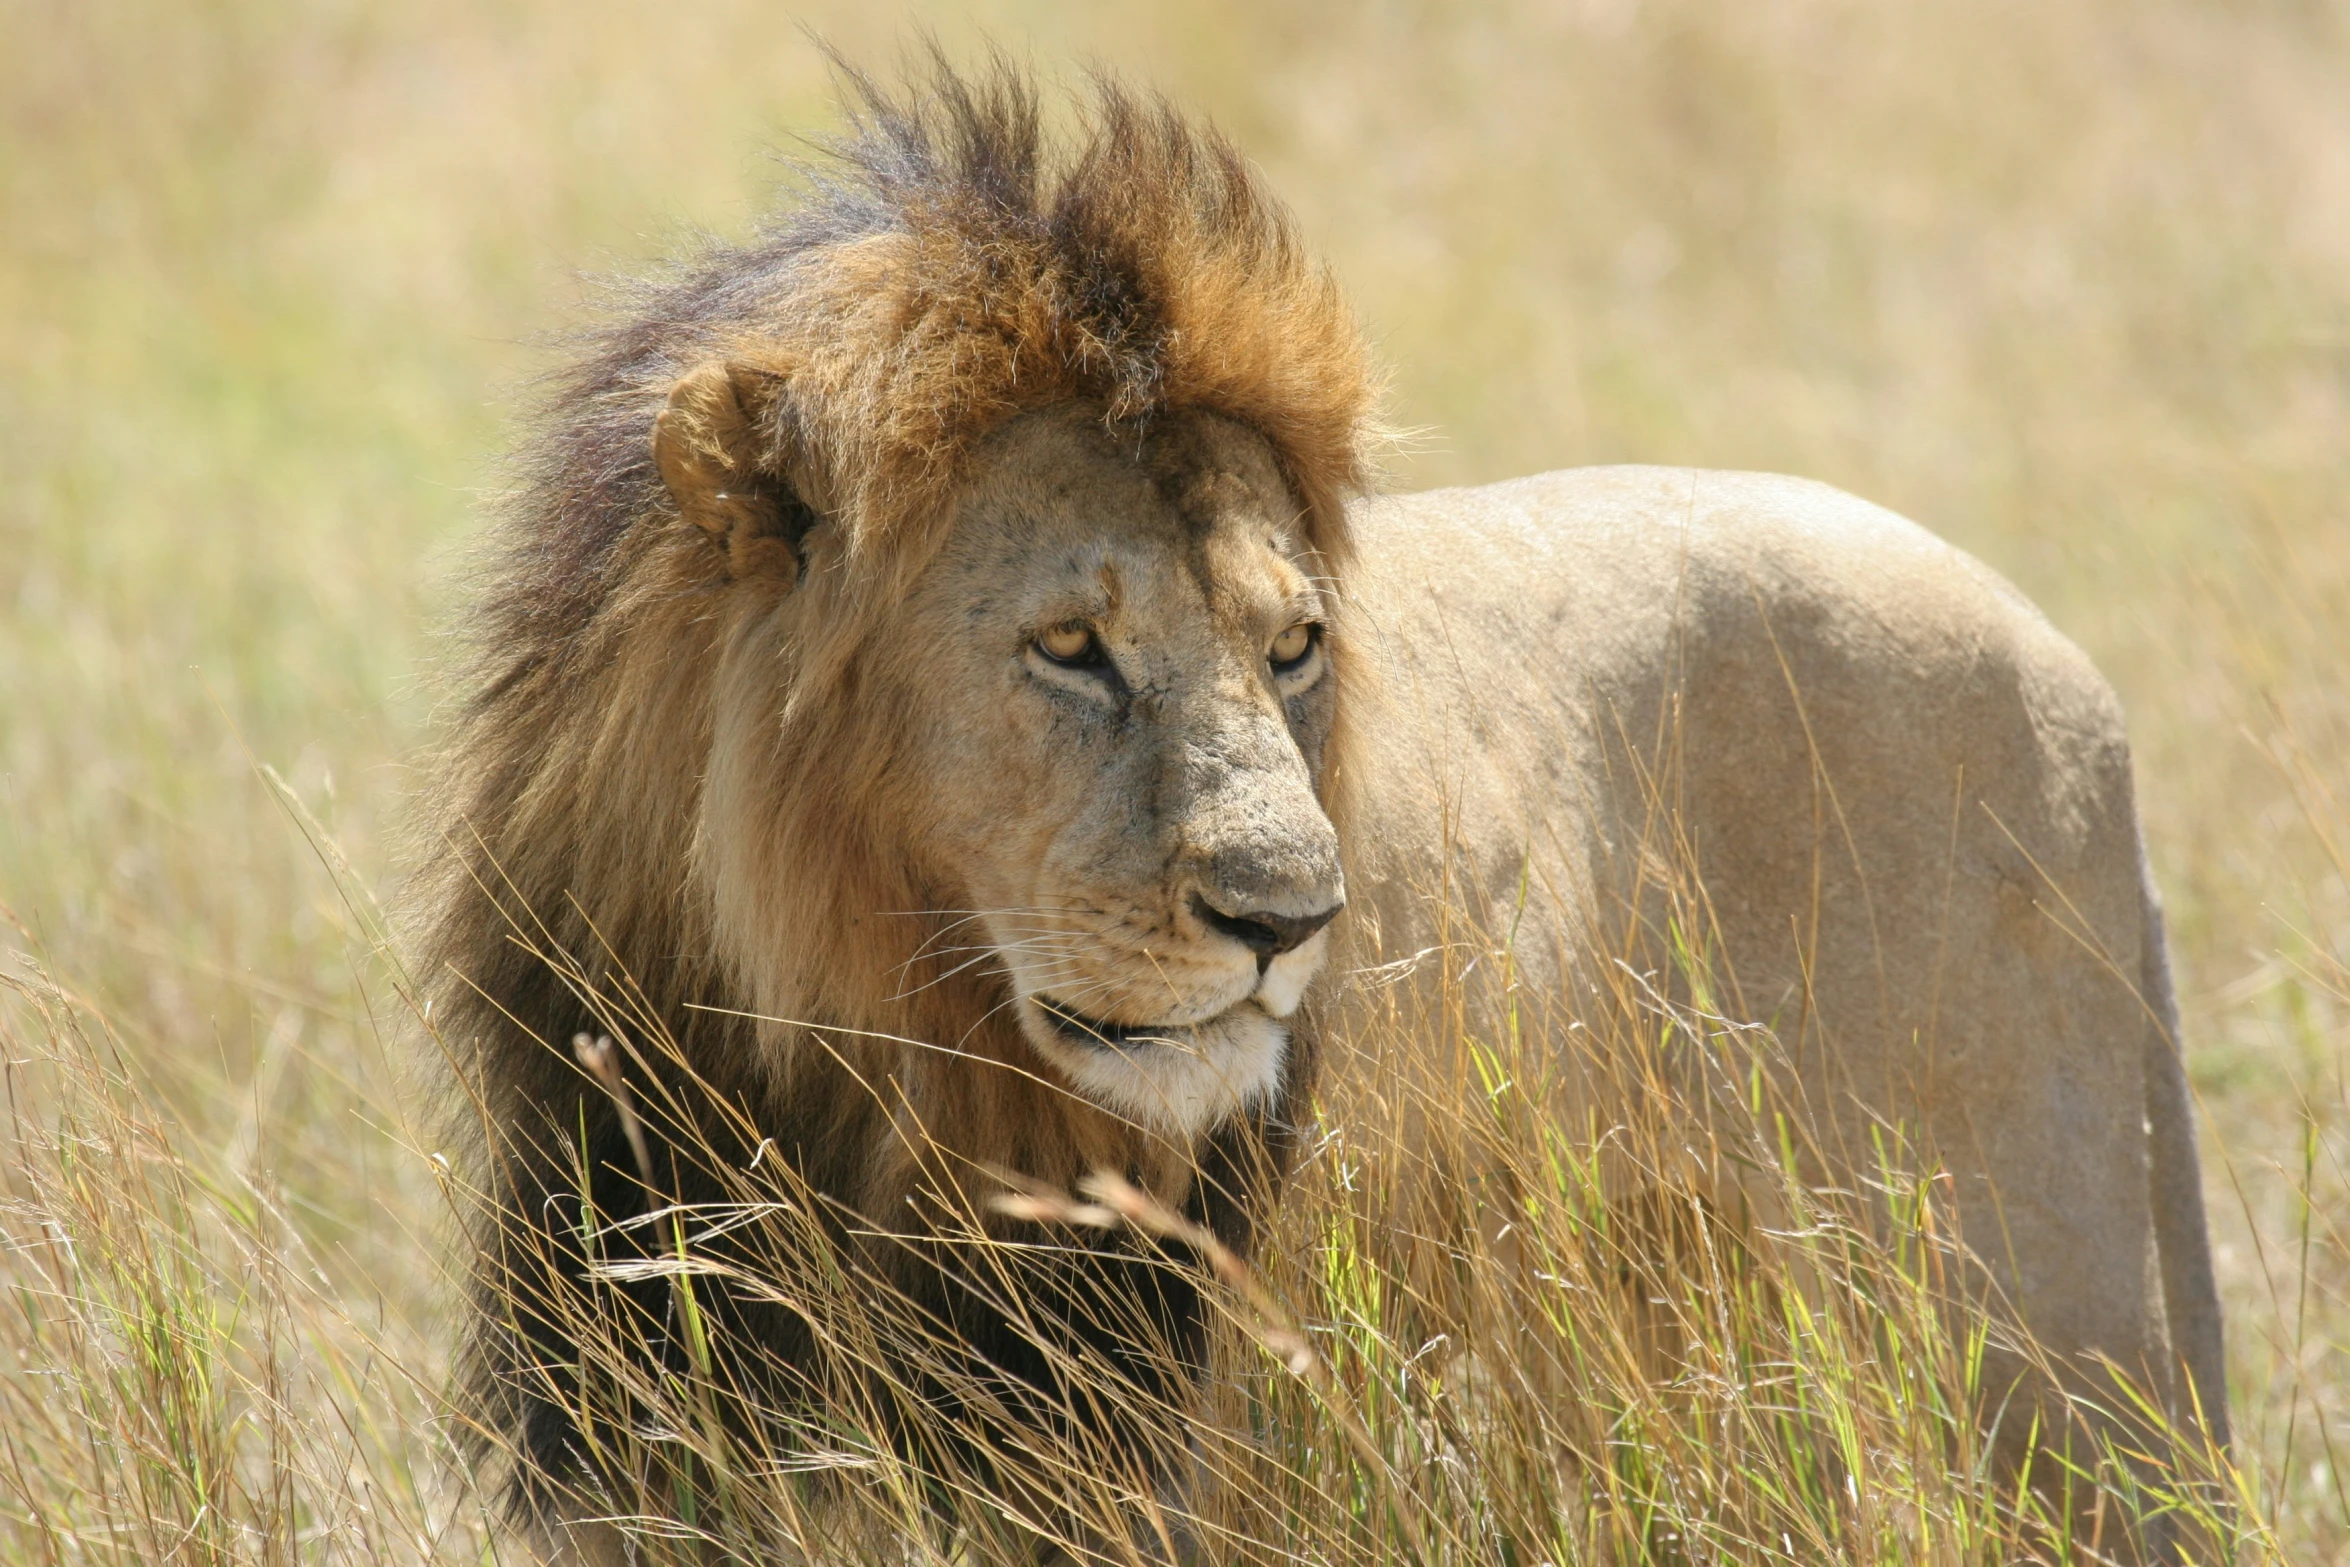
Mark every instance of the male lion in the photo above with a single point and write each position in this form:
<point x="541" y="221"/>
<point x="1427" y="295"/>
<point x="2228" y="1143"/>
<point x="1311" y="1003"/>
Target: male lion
<point x="944" y="688"/>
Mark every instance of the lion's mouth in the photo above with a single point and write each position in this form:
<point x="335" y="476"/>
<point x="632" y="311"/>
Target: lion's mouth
<point x="1096" y="1034"/>
<point x="1181" y="1078"/>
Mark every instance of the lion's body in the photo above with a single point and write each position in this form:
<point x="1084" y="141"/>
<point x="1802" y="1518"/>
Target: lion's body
<point x="939" y="699"/>
<point x="1908" y="801"/>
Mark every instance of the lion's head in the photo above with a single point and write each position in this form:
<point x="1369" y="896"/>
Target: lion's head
<point x="923" y="627"/>
<point x="1092" y="728"/>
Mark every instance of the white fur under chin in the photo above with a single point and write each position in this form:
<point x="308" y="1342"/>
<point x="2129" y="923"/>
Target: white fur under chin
<point x="1183" y="1081"/>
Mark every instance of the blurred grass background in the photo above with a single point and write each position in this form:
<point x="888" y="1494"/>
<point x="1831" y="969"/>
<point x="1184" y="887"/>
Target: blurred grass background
<point x="2067" y="280"/>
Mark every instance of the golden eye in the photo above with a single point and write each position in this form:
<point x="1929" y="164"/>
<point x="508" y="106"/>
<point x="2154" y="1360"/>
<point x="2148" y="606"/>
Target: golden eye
<point x="1292" y="645"/>
<point x="1067" y="644"/>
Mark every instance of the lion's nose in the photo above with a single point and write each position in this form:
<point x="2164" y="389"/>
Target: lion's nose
<point x="1263" y="932"/>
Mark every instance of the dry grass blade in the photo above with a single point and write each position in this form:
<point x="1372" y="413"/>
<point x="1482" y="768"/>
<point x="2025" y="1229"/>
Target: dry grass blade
<point x="1117" y="1200"/>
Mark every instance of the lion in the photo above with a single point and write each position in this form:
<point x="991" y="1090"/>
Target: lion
<point x="954" y="711"/>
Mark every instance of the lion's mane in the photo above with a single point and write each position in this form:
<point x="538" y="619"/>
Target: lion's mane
<point x="945" y="270"/>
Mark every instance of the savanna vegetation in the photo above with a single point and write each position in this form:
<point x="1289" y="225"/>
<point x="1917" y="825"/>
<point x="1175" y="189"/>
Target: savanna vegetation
<point x="2069" y="282"/>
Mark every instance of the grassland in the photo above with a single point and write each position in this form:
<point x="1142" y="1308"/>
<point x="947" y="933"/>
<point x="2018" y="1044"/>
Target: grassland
<point x="2069" y="282"/>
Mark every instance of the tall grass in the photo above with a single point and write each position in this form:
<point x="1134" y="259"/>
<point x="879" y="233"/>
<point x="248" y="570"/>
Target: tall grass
<point x="2069" y="282"/>
<point x="1568" y="1298"/>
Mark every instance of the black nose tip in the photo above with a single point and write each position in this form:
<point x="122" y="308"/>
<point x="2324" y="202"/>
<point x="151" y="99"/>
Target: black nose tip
<point x="1266" y="934"/>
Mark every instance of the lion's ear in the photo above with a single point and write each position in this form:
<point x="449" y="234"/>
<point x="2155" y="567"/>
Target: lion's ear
<point x="714" y="448"/>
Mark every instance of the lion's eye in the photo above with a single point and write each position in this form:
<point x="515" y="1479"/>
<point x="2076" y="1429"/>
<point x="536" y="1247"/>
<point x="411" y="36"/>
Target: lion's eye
<point x="1069" y="645"/>
<point x="1291" y="647"/>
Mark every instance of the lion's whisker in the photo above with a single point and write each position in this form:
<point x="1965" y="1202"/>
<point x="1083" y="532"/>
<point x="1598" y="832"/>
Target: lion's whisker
<point x="1017" y="932"/>
<point x="1043" y="941"/>
<point x="971" y="963"/>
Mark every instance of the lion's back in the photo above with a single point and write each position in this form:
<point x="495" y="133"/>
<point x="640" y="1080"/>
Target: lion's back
<point x="1733" y="636"/>
<point x="1904" y="797"/>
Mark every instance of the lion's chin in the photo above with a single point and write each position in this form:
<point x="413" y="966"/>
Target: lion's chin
<point x="1183" y="1080"/>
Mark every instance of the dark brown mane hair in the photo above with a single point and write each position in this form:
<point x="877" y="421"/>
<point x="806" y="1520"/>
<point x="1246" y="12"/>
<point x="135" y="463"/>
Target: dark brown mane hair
<point x="946" y="270"/>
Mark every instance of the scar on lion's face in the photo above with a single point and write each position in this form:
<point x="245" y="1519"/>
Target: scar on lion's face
<point x="1131" y="672"/>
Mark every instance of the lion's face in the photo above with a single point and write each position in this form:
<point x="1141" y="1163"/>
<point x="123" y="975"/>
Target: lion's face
<point x="1116" y="689"/>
